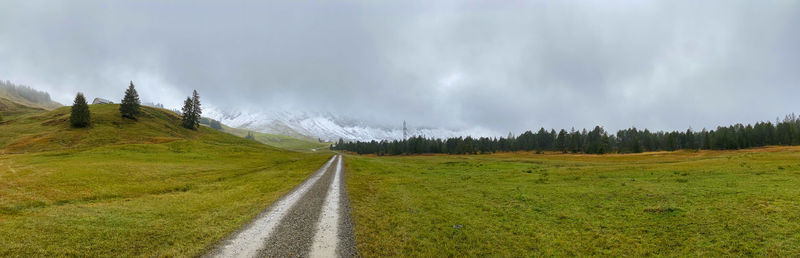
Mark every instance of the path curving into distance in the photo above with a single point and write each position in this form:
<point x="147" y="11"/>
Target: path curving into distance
<point x="312" y="220"/>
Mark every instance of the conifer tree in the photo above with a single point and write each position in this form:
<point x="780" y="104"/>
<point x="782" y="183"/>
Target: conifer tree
<point x="196" y="110"/>
<point x="187" y="114"/>
<point x="80" y="116"/>
<point x="561" y="141"/>
<point x="130" y="107"/>
<point x="250" y="136"/>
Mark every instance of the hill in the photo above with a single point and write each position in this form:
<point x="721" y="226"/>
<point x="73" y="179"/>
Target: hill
<point x="27" y="96"/>
<point x="10" y="109"/>
<point x="19" y="100"/>
<point x="126" y="188"/>
<point x="280" y="141"/>
<point x="44" y="130"/>
<point x="51" y="130"/>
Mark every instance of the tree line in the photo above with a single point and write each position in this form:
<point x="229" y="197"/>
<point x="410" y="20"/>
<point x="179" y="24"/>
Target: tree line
<point x="25" y="92"/>
<point x="595" y="141"/>
<point x="130" y="108"/>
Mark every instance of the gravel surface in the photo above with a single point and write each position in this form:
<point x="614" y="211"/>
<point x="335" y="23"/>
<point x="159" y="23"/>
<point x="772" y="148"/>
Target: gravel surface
<point x="293" y="236"/>
<point x="326" y="236"/>
<point x="289" y="227"/>
<point x="347" y="240"/>
<point x="247" y="241"/>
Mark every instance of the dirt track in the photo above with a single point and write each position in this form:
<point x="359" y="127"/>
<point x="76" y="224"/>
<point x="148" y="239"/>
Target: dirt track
<point x="313" y="216"/>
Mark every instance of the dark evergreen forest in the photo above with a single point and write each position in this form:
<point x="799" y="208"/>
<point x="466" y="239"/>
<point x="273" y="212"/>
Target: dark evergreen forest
<point x="595" y="141"/>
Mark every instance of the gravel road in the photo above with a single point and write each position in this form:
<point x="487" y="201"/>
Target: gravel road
<point x="313" y="220"/>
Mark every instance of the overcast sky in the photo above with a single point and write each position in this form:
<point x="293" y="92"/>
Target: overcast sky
<point x="501" y="65"/>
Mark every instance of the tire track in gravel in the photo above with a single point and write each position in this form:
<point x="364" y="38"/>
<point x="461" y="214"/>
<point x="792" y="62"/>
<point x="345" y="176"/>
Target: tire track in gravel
<point x="326" y="238"/>
<point x="311" y="221"/>
<point x="248" y="241"/>
<point x="293" y="236"/>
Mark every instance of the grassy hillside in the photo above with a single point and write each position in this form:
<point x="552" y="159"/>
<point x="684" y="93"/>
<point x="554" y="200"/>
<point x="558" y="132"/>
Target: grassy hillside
<point x="18" y="100"/>
<point x="124" y="188"/>
<point x="51" y="130"/>
<point x="708" y="203"/>
<point x="281" y="141"/>
<point x="11" y="110"/>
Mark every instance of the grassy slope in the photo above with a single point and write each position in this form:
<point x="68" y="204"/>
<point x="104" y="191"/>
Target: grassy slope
<point x="121" y="188"/>
<point x="281" y="141"/>
<point x="12" y="105"/>
<point x="51" y="130"/>
<point x="697" y="204"/>
<point x="13" y="96"/>
<point x="11" y="110"/>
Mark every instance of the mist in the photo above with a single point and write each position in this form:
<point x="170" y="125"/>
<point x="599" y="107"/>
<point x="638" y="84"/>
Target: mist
<point x="500" y="66"/>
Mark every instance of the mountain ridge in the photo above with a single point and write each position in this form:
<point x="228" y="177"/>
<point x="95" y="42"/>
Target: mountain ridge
<point x="328" y="127"/>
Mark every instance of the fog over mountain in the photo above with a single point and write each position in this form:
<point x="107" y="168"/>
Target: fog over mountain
<point x="358" y="69"/>
<point x="331" y="127"/>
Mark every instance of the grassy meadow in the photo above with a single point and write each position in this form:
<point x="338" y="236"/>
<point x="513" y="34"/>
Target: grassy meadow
<point x="124" y="188"/>
<point x="707" y="203"/>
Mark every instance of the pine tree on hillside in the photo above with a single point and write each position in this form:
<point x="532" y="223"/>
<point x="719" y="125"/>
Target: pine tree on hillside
<point x="187" y="114"/>
<point x="130" y="107"/>
<point x="196" y="110"/>
<point x="80" y="112"/>
<point x="250" y="136"/>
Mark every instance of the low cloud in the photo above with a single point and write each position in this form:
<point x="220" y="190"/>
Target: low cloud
<point x="505" y="66"/>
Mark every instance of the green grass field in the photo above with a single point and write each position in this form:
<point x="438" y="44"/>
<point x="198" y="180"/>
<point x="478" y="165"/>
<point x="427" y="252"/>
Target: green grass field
<point x="708" y="203"/>
<point x="124" y="188"/>
<point x="152" y="188"/>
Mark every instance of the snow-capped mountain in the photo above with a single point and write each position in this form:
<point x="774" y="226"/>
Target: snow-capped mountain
<point x="328" y="126"/>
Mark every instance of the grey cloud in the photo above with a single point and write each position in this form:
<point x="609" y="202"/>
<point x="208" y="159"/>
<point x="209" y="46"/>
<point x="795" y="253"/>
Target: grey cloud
<point x="497" y="65"/>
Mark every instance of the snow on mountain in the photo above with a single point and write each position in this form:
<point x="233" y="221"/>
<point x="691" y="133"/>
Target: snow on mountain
<point x="327" y="126"/>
